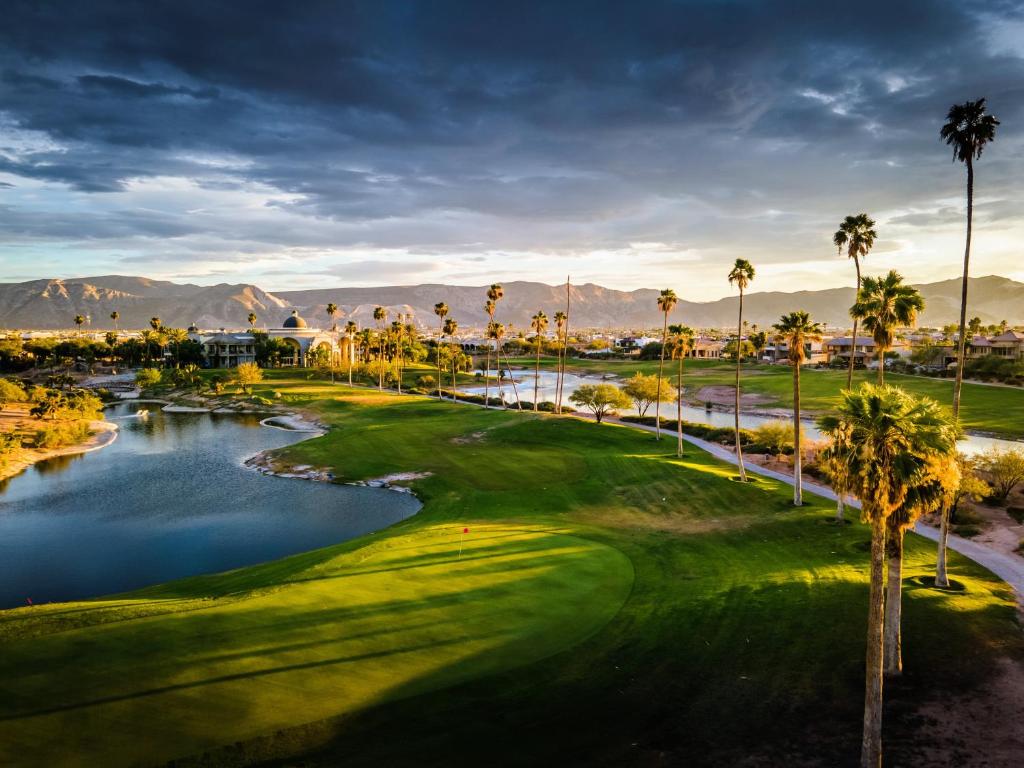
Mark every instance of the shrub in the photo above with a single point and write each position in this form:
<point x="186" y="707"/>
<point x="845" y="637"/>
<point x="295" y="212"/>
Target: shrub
<point x="11" y="392"/>
<point x="10" y="447"/>
<point x="773" y="437"/>
<point x="1017" y="513"/>
<point x="426" y="382"/>
<point x="148" y="378"/>
<point x="1005" y="469"/>
<point x="259" y="400"/>
<point x="248" y="374"/>
<point x="61" y="435"/>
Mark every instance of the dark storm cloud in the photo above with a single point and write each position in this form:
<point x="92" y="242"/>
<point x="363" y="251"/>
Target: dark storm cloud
<point x="439" y="125"/>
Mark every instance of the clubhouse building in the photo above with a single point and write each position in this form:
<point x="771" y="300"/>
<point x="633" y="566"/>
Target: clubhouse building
<point x="224" y="349"/>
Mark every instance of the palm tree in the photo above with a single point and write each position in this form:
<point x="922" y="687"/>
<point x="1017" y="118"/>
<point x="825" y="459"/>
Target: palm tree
<point x="884" y="437"/>
<point x="539" y="324"/>
<point x="495" y="294"/>
<point x="967" y="130"/>
<point x="883" y="304"/>
<point x="331" y="309"/>
<point x="857" y="234"/>
<point x="798" y="331"/>
<point x="561" y="318"/>
<point x="451" y="326"/>
<point x="115" y="316"/>
<point x="495" y="333"/>
<point x="441" y="310"/>
<point x="680" y="344"/>
<point x="565" y="346"/>
<point x="380" y="316"/>
<point x="155" y="324"/>
<point x="79" y="319"/>
<point x="350" y="333"/>
<point x="489" y="307"/>
<point x="252" y="320"/>
<point x="398" y="337"/>
<point x="740" y="275"/>
<point x="667" y="301"/>
<point x="177" y="337"/>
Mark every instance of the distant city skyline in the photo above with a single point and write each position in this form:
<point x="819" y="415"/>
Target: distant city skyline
<point x="384" y="143"/>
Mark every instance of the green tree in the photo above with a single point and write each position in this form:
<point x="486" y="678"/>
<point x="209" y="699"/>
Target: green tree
<point x="539" y="324"/>
<point x="883" y="304"/>
<point x="884" y="438"/>
<point x="798" y="331"/>
<point x="115" y="316"/>
<point x="857" y="234"/>
<point x="741" y="275"/>
<point x="147" y="378"/>
<point x="380" y="316"/>
<point x="968" y="128"/>
<point x="248" y="374"/>
<point x="561" y="320"/>
<point x="667" y="301"/>
<point x="645" y="389"/>
<point x="11" y="392"/>
<point x="177" y="337"/>
<point x="1005" y="470"/>
<point x="600" y="399"/>
<point x="679" y="344"/>
<point x="441" y="310"/>
<point x="331" y="310"/>
<point x="252" y="320"/>
<point x="79" y="319"/>
<point x="350" y="334"/>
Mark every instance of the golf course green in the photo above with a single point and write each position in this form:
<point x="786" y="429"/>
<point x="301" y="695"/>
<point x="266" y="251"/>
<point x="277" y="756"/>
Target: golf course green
<point x="609" y="604"/>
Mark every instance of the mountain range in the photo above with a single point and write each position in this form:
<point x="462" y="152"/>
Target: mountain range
<point x="50" y="304"/>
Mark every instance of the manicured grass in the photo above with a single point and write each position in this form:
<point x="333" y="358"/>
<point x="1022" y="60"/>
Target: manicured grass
<point x="613" y="605"/>
<point x="998" y="410"/>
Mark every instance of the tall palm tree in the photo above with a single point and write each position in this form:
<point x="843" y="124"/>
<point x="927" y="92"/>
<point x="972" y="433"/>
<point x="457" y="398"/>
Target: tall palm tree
<point x="667" y="301"/>
<point x="495" y="294"/>
<point x="115" y="316"/>
<point x="565" y="346"/>
<point x="350" y="333"/>
<point x="177" y="337"/>
<point x="252" y="320"/>
<point x="155" y="324"/>
<point x="380" y="316"/>
<point x="857" y="234"/>
<point x="680" y="344"/>
<point x="489" y="308"/>
<point x="79" y="319"/>
<point x="331" y="309"/>
<point x="967" y="130"/>
<point x="441" y="310"/>
<point x="798" y="331"/>
<point x="561" y="318"/>
<point x="741" y="274"/>
<point x="451" y="327"/>
<point x="398" y="339"/>
<point x="935" y="486"/>
<point x="539" y="324"/>
<point x="883" y="304"/>
<point x="885" y="439"/>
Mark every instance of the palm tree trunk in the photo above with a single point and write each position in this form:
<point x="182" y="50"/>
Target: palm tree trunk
<point x="508" y="367"/>
<point x="565" y="348"/>
<point x="961" y="346"/>
<point x="440" y="335"/>
<point x="894" y="603"/>
<point x="881" y="364"/>
<point x="798" y="479"/>
<point x="739" y="360"/>
<point x="351" y="351"/>
<point x="536" y="376"/>
<point x="487" y="380"/>
<point x="941" y="577"/>
<point x="558" y="379"/>
<point x="839" y="505"/>
<point x="679" y="410"/>
<point x="661" y="369"/>
<point x="853" y="342"/>
<point x="871" y="738"/>
<point x="455" y="394"/>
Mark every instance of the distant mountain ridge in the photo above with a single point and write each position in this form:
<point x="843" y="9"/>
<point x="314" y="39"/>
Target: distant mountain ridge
<point x="50" y="304"/>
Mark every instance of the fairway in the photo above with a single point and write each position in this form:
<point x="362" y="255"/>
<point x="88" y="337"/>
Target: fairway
<point x="997" y="410"/>
<point x="611" y="603"/>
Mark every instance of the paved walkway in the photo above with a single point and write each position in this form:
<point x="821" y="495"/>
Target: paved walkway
<point x="1010" y="568"/>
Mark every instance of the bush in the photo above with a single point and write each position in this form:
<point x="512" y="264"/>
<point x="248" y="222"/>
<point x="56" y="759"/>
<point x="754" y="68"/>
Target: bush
<point x="148" y="378"/>
<point x="260" y="400"/>
<point x="1017" y="513"/>
<point x="426" y="382"/>
<point x="773" y="438"/>
<point x="722" y="435"/>
<point x="61" y="435"/>
<point x="10" y="447"/>
<point x="11" y="392"/>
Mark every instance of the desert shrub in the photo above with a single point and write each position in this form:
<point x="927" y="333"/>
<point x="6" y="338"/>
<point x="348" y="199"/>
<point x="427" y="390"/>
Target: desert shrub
<point x="773" y="437"/>
<point x="147" y="378"/>
<point x="1005" y="470"/>
<point x="260" y="400"/>
<point x="10" y="447"/>
<point x="11" y="392"/>
<point x="967" y="531"/>
<point x="61" y="435"/>
<point x="1017" y="513"/>
<point x="248" y="374"/>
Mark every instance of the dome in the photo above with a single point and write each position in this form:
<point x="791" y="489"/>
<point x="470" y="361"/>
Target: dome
<point x="193" y="328"/>
<point x="294" y="321"/>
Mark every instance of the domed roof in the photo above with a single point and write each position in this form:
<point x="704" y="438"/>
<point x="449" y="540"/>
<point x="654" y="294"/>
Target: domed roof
<point x="193" y="328"/>
<point x="294" y="321"/>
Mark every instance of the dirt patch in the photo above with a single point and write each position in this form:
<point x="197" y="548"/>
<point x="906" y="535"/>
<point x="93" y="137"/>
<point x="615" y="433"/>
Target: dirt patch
<point x="723" y="394"/>
<point x="979" y="729"/>
<point x="669" y="523"/>
<point x="472" y="437"/>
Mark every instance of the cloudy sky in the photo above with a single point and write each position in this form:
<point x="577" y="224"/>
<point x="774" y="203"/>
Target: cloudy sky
<point x="640" y="144"/>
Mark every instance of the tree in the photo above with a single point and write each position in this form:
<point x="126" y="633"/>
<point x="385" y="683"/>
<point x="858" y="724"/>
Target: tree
<point x="741" y="274"/>
<point x="49" y="405"/>
<point x="1005" y="470"/>
<point x="967" y="130"/>
<point x="147" y="377"/>
<point x="177" y="337"/>
<point x="489" y="307"/>
<point x="350" y="334"/>
<point x="758" y="341"/>
<point x="679" y="344"/>
<point x="561" y="318"/>
<point x="441" y="310"/>
<point x="883" y="304"/>
<point x="79" y="319"/>
<point x="667" y="301"/>
<point x="974" y="326"/>
<point x="380" y="316"/>
<point x="857" y="234"/>
<point x="539" y="324"/>
<point x="884" y="438"/>
<point x="600" y="399"/>
<point x="248" y="374"/>
<point x="331" y="309"/>
<point x="11" y="392"/>
<point x="495" y="294"/>
<point x="645" y="389"/>
<point x="252" y="320"/>
<point x="451" y="327"/>
<point x="115" y="316"/>
<point x="798" y="331"/>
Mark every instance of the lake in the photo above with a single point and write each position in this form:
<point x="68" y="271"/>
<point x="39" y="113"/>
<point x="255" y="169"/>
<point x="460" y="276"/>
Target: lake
<point x="169" y="498"/>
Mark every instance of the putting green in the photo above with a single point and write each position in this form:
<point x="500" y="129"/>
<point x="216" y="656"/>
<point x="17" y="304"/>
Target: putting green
<point x="382" y="621"/>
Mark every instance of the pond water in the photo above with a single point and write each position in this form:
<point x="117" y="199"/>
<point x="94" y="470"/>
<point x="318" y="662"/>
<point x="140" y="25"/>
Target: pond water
<point x="546" y="391"/>
<point x="169" y="498"/>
